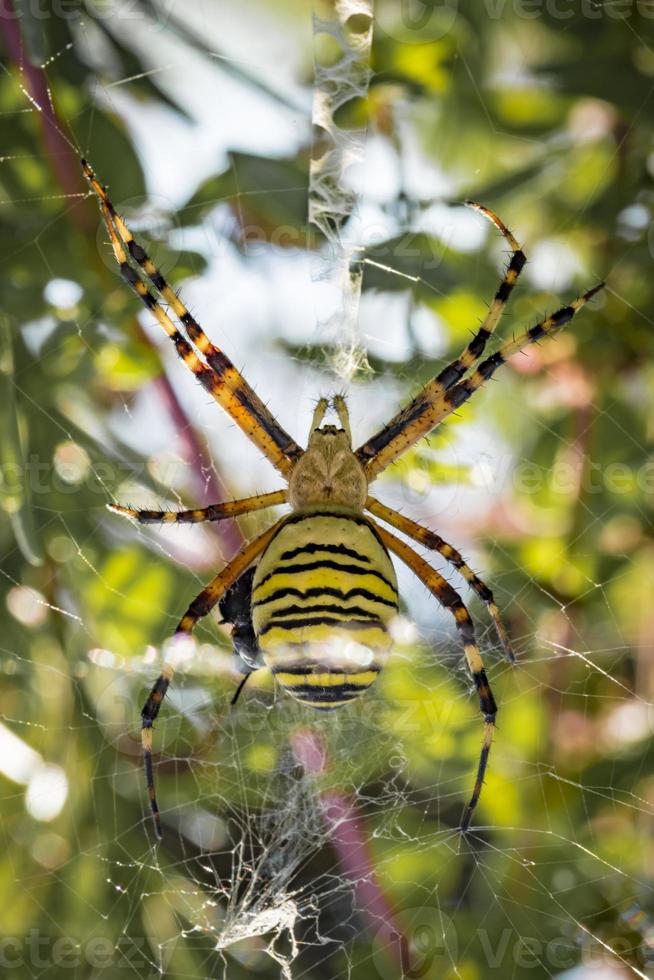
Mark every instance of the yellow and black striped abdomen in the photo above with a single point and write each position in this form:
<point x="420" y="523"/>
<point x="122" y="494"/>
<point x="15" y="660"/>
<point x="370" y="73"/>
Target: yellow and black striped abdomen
<point x="322" y="598"/>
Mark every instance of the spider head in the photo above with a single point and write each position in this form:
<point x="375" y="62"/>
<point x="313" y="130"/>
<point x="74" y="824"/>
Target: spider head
<point x="328" y="473"/>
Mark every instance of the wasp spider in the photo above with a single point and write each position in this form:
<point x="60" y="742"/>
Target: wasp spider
<point x="318" y="602"/>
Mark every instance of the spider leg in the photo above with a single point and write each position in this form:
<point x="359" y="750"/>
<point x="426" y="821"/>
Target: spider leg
<point x="214" y="512"/>
<point x="462" y="391"/>
<point x="450" y="599"/>
<point x="457" y="368"/>
<point x="220" y="378"/>
<point x="436" y="401"/>
<point x="237" y="692"/>
<point x="200" y="607"/>
<point x="433" y="541"/>
<point x="455" y="371"/>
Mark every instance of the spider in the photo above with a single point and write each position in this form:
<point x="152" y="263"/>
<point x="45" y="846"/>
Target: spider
<point x="319" y="600"/>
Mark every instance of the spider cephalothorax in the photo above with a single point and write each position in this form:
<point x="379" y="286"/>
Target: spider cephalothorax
<point x="328" y="472"/>
<point x="324" y="589"/>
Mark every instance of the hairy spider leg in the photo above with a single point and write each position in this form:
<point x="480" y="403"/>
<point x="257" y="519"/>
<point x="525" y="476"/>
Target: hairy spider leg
<point x="200" y="607"/>
<point x="445" y="393"/>
<point x="434" y="542"/>
<point x="450" y="600"/>
<point x="221" y="379"/>
<point x="214" y="512"/>
<point x="462" y="391"/>
<point x="472" y="353"/>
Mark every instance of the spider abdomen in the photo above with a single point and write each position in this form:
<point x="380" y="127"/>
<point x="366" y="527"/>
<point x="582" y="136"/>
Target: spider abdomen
<point x="323" y="596"/>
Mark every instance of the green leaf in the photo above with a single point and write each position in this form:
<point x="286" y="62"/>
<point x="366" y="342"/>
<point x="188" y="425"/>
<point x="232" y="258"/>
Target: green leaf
<point x="14" y="479"/>
<point x="270" y="195"/>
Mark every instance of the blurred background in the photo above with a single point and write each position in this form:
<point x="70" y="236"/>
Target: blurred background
<point x="326" y="847"/>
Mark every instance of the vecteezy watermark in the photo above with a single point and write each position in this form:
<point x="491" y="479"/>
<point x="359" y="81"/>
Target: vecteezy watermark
<point x="68" y="475"/>
<point x="70" y="10"/>
<point x="498" y="475"/>
<point x="377" y="243"/>
<point x="118" y="711"/>
<point x="506" y="948"/>
<point x="422" y="939"/>
<point x="425" y="21"/>
<point x="567" y="477"/>
<point x="503" y="475"/>
<point x="427" y="946"/>
<point x="42" y="952"/>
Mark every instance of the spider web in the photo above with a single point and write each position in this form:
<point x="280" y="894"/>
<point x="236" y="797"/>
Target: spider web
<point x="299" y="846"/>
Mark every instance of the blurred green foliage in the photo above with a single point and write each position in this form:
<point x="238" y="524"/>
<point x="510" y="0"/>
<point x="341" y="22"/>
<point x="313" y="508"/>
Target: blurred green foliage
<point x="545" y="118"/>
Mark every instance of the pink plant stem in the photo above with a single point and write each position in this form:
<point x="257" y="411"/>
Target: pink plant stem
<point x="59" y="151"/>
<point x="209" y="490"/>
<point x="57" y="146"/>
<point x="347" y="834"/>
